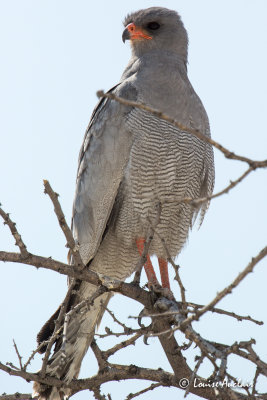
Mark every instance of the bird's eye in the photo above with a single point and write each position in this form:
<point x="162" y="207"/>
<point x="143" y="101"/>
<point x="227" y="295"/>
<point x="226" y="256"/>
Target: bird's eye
<point x="153" y="25"/>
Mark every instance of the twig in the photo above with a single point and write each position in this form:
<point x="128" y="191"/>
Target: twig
<point x="197" y="306"/>
<point x="251" y="355"/>
<point x="193" y="375"/>
<point x="227" y="153"/>
<point x="235" y="380"/>
<point x="17" y="396"/>
<point x="151" y="387"/>
<point x="115" y="319"/>
<point x="34" y="352"/>
<point x="257" y="373"/>
<point x="12" y="227"/>
<point x="228" y="289"/>
<point x="228" y="313"/>
<point x="222" y="369"/>
<point x="10" y="364"/>
<point x="109" y="332"/>
<point x="64" y="226"/>
<point x="106" y="354"/>
<point x="49" y="380"/>
<point x="17" y="352"/>
<point x="196" y="202"/>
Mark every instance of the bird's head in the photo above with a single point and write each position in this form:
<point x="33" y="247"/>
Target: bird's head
<point x="156" y="28"/>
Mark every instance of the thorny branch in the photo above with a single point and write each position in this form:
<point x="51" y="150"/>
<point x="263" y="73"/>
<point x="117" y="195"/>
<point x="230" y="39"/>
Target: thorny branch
<point x="149" y="388"/>
<point x="208" y="350"/>
<point x="167" y="315"/>
<point x="12" y="226"/>
<point x="63" y="225"/>
<point x="254" y="261"/>
<point x="16" y="396"/>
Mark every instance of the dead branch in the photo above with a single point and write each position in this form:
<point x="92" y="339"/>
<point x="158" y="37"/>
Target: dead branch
<point x="174" y="317"/>
<point x="12" y="226"/>
<point x="148" y="389"/>
<point x="63" y="225"/>
<point x="18" y="354"/>
<point x="228" y="313"/>
<point x="17" y="396"/>
<point x="106" y="354"/>
<point x="254" y="261"/>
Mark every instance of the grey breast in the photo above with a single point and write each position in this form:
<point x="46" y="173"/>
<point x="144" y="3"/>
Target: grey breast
<point x="165" y="163"/>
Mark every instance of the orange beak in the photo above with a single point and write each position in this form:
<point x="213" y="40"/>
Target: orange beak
<point x="132" y="32"/>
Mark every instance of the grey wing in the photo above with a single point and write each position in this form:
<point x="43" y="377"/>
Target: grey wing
<point x="103" y="157"/>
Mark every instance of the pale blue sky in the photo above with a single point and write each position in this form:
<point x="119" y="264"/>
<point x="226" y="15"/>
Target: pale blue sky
<point x="55" y="55"/>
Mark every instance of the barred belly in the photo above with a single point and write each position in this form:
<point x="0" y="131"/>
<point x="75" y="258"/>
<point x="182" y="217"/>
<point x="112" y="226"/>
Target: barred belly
<point x="165" y="166"/>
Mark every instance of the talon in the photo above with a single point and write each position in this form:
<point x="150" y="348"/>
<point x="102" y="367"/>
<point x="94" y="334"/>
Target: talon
<point x="145" y="339"/>
<point x="139" y="319"/>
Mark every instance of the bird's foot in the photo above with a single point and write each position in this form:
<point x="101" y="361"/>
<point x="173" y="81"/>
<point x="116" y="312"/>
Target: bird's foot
<point x="164" y="292"/>
<point x="160" y="291"/>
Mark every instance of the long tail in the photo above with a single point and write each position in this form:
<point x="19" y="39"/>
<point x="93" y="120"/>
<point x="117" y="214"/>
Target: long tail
<point x="67" y="358"/>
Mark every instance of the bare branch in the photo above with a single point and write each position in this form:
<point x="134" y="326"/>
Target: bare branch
<point x="12" y="226"/>
<point x="34" y="352"/>
<point x="64" y="226"/>
<point x="17" y="352"/>
<point x="196" y="307"/>
<point x="229" y="288"/>
<point x="106" y="354"/>
<point x="193" y="375"/>
<point x="228" y="313"/>
<point x="149" y="388"/>
<point x="17" y="396"/>
<point x="173" y="313"/>
<point x="126" y="329"/>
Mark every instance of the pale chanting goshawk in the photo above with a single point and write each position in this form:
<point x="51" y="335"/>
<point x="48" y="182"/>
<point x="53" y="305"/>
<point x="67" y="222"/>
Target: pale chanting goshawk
<point x="130" y="162"/>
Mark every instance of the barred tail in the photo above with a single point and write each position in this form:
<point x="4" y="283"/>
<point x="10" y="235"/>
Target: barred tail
<point x="66" y="361"/>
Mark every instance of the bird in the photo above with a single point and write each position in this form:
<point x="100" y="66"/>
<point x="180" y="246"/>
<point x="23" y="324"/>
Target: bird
<point x="131" y="163"/>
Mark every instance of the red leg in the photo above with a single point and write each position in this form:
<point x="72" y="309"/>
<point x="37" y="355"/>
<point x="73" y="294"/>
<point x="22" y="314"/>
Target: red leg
<point x="164" y="273"/>
<point x="150" y="273"/>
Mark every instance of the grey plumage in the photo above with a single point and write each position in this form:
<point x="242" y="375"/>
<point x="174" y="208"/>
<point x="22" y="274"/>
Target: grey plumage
<point x="131" y="160"/>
